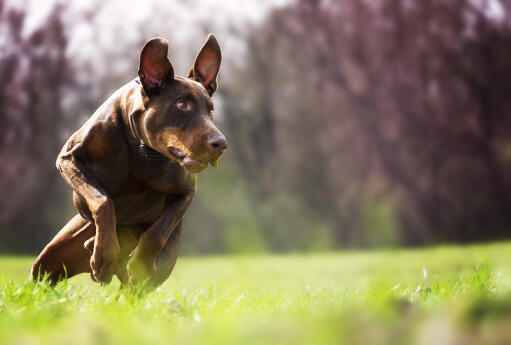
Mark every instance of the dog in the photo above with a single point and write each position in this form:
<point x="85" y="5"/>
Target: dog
<point x="133" y="170"/>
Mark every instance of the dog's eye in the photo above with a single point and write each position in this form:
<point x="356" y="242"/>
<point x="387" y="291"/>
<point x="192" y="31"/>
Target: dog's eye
<point x="184" y="105"/>
<point x="211" y="113"/>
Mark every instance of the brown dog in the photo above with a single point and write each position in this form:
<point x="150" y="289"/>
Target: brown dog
<point x="132" y="167"/>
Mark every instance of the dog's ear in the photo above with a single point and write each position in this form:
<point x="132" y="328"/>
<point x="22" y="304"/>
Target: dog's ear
<point x="206" y="65"/>
<point x="155" y="69"/>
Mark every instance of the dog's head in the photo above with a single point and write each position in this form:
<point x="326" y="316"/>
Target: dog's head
<point x="176" y="118"/>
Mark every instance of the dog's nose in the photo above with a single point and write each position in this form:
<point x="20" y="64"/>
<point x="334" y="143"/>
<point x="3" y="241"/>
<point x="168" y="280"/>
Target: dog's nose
<point x="218" y="144"/>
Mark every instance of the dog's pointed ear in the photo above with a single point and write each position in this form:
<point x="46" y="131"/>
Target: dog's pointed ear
<point x="155" y="69"/>
<point x="206" y="65"/>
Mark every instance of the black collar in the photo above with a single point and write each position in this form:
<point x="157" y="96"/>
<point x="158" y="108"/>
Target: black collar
<point x="148" y="153"/>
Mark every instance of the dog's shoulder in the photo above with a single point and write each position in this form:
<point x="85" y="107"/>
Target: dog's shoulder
<point x="103" y="134"/>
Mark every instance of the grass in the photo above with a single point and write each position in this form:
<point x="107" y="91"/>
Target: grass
<point x="442" y="295"/>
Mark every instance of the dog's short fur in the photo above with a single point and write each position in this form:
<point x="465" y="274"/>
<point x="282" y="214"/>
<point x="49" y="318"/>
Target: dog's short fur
<point x="132" y="167"/>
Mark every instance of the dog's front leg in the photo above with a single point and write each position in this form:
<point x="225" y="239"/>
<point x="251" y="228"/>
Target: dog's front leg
<point x="142" y="263"/>
<point x="106" y="245"/>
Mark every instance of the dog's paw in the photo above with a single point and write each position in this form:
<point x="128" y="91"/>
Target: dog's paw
<point x="103" y="263"/>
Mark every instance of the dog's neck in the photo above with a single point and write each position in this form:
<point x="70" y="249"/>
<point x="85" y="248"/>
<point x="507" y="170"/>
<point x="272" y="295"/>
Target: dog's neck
<point x="144" y="150"/>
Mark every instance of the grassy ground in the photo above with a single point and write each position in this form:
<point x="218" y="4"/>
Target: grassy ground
<point x="444" y="295"/>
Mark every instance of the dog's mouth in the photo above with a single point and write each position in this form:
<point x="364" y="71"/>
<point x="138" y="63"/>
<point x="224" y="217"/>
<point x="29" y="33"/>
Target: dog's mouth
<point x="191" y="164"/>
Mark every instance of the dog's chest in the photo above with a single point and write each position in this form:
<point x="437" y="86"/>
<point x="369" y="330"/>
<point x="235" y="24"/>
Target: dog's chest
<point x="161" y="175"/>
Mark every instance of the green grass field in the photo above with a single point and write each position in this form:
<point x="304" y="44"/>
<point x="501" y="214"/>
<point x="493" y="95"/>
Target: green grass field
<point x="443" y="295"/>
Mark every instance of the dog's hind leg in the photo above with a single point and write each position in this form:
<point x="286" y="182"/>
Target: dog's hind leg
<point x="65" y="256"/>
<point x="128" y="240"/>
<point x="165" y="262"/>
<point x="167" y="258"/>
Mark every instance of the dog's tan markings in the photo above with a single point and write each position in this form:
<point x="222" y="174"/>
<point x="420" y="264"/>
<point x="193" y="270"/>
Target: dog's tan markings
<point x="171" y="139"/>
<point x="174" y="141"/>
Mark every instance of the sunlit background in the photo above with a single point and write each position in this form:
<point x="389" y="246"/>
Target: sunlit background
<point x="351" y="124"/>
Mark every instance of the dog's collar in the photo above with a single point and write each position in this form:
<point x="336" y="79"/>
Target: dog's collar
<point x="144" y="151"/>
<point x="148" y="153"/>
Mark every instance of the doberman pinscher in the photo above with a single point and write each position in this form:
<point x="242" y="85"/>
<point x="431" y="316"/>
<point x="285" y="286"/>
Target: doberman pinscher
<point x="132" y="167"/>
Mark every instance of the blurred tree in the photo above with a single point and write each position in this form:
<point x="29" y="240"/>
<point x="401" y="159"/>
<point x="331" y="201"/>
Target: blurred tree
<point x="390" y="109"/>
<point x="34" y="72"/>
